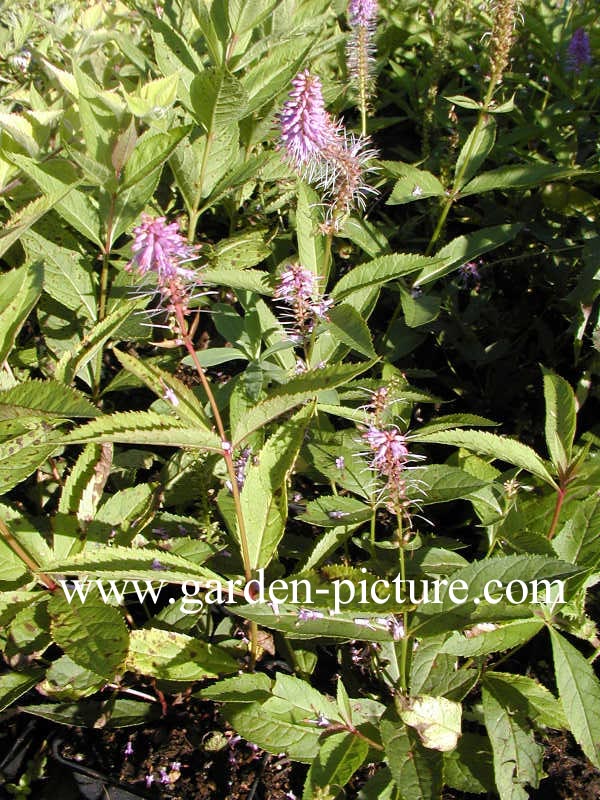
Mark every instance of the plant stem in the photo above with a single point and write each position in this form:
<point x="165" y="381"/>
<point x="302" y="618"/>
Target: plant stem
<point x="405" y="639"/>
<point x="25" y="557"/>
<point x="560" y="498"/>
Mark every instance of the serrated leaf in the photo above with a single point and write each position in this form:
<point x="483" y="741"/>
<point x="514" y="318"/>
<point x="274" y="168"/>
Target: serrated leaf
<point x="311" y="243"/>
<point x="73" y="361"/>
<point x="466" y="248"/>
<point x="439" y="483"/>
<point x="294" y="393"/>
<point x="19" y="292"/>
<point x="83" y="488"/>
<point x="579" y="691"/>
<point x="520" y="176"/>
<point x="186" y="405"/>
<point x="517" y="756"/>
<point x="502" y="637"/>
<point x="143" y="427"/>
<point x="168" y="655"/>
<point x="382" y="270"/>
<point x="93" y="714"/>
<point x="412" y="184"/>
<point x="470" y="767"/>
<point x="338" y="759"/>
<point x="579" y="540"/>
<point x="47" y="399"/>
<point x="497" y="447"/>
<point x="541" y="706"/>
<point x="330" y="511"/>
<point x="151" y="151"/>
<point x="65" y="277"/>
<point x="475" y="150"/>
<point x="417" y="770"/>
<point x="14" y="684"/>
<point x="348" y="327"/>
<point x="561" y="419"/>
<point x="93" y="634"/>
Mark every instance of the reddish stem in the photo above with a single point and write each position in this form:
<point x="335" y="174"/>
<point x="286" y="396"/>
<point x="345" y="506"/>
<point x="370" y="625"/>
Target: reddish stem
<point x="560" y="497"/>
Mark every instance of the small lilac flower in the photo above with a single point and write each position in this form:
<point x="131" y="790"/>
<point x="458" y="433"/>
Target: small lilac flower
<point x="306" y="127"/>
<point x="164" y="777"/>
<point x="389" y="448"/>
<point x="175" y="766"/>
<point x="149" y="780"/>
<point x="240" y="465"/>
<point x="362" y="13"/>
<point x="469" y="275"/>
<point x="579" y="51"/>
<point x="340" y="463"/>
<point x="157" y="566"/>
<point x="128" y="749"/>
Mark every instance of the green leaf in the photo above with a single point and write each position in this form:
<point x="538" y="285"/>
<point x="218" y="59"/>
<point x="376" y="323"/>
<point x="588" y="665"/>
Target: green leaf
<point x="348" y="326"/>
<point x="416" y="770"/>
<point x="186" y="405"/>
<point x="497" y="447"/>
<point x="65" y="277"/>
<point x="292" y="394"/>
<point x="329" y="511"/>
<point x="419" y="309"/>
<point x="168" y="655"/>
<point x="73" y="361"/>
<point x="66" y="680"/>
<point x="143" y="427"/>
<point x="579" y="691"/>
<point x="338" y="759"/>
<point x="579" y="540"/>
<point x="218" y="100"/>
<point x="264" y="495"/>
<point x="470" y="767"/>
<point x="151" y="151"/>
<point x="520" y="176"/>
<point x="439" y="483"/>
<point x="121" y="563"/>
<point x="475" y="150"/>
<point x="85" y="483"/>
<point x="517" y="756"/>
<point x="19" y="292"/>
<point x="245" y="688"/>
<point x="539" y="704"/>
<point x="27" y="216"/>
<point x="173" y="55"/>
<point x="311" y="243"/>
<point x="93" y="634"/>
<point x="381" y="270"/>
<point x="413" y="184"/>
<point x="561" y="419"/>
<point x="475" y="642"/>
<point x="14" y="684"/>
<point x="46" y="399"/>
<point x="437" y="720"/>
<point x="465" y="248"/>
<point x="107" y="714"/>
<point x="249" y="280"/>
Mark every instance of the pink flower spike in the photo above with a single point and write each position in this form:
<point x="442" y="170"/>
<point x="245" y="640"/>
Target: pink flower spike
<point x="362" y="13"/>
<point x="159" y="247"/>
<point x="306" y="127"/>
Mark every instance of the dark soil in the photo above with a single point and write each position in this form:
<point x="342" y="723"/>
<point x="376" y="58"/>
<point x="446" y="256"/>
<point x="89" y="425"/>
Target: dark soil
<point x="199" y="758"/>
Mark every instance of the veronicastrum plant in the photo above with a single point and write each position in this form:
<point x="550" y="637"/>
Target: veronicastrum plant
<point x="233" y="309"/>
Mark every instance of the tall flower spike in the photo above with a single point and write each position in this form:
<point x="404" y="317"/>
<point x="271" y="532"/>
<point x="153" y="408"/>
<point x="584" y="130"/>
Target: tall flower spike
<point x="579" y="52"/>
<point x="360" y="52"/>
<point x="297" y="287"/>
<point x="159" y="248"/>
<point x="322" y="152"/>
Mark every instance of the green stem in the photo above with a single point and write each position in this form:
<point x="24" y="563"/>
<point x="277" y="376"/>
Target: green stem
<point x="404" y="643"/>
<point x="24" y="556"/>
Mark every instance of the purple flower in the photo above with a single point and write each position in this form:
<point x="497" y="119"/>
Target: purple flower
<point x="296" y="288"/>
<point x="340" y="463"/>
<point x="362" y="13"/>
<point x="579" y="52"/>
<point x="390" y="452"/>
<point x="128" y="750"/>
<point x="159" y="247"/>
<point x="157" y="566"/>
<point x="164" y="777"/>
<point x="306" y="127"/>
<point x="149" y="780"/>
<point x="469" y="275"/>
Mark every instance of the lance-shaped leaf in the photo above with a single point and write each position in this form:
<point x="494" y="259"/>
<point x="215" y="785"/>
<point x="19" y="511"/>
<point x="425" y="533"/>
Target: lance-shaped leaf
<point x="19" y="292"/>
<point x="579" y="691"/>
<point x="517" y="756"/>
<point x="143" y="427"/>
<point x="415" y="769"/>
<point x="561" y="419"/>
<point x="338" y="759"/>
<point x="497" y="447"/>
<point x="295" y="392"/>
<point x="264" y="495"/>
<point x="186" y="405"/>
<point x="381" y="270"/>
<point x="46" y="399"/>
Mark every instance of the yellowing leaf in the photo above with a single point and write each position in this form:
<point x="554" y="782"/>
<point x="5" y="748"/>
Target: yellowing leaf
<point x="436" y="720"/>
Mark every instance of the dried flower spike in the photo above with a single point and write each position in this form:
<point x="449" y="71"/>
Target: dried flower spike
<point x="360" y="51"/>
<point x="297" y="288"/>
